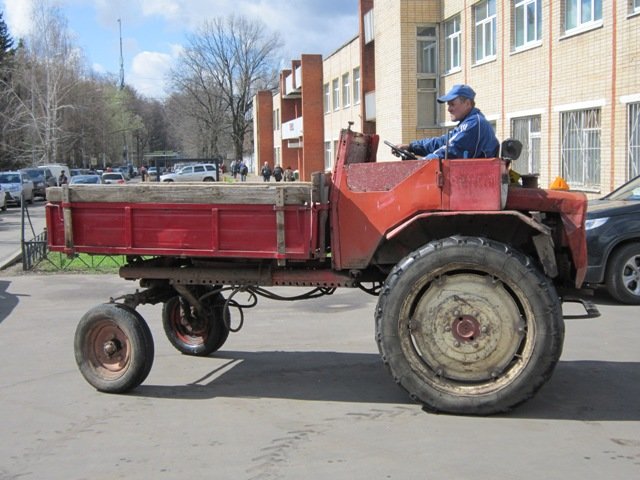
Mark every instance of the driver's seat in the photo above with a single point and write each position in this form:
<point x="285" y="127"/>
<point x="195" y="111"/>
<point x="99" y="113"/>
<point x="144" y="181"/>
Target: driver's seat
<point x="510" y="149"/>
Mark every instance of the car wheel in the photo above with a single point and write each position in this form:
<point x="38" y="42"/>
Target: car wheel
<point x="622" y="279"/>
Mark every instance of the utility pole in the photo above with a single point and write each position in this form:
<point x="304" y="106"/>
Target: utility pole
<point x="125" y="150"/>
<point x="121" y="58"/>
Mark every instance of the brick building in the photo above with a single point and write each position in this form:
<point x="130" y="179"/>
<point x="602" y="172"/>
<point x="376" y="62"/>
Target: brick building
<point x="562" y="76"/>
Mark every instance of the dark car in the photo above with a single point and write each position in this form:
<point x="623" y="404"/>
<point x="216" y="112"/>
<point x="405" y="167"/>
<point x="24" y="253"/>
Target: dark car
<point x="36" y="175"/>
<point x="613" y="242"/>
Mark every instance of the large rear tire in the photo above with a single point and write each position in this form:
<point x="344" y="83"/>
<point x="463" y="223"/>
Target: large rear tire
<point x="194" y="332"/>
<point x="469" y="326"/>
<point x="113" y="348"/>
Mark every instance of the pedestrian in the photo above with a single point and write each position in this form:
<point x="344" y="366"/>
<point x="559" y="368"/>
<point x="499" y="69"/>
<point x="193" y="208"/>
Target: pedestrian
<point x="288" y="174"/>
<point x="277" y="173"/>
<point x="266" y="172"/>
<point x="62" y="179"/>
<point x="234" y="168"/>
<point x="473" y="137"/>
<point x="244" y="170"/>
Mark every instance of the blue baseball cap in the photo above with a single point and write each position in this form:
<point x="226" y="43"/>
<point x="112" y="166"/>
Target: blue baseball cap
<point x="458" y="90"/>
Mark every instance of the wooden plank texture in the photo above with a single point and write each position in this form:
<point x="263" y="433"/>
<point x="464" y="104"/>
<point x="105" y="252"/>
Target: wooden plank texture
<point x="298" y="193"/>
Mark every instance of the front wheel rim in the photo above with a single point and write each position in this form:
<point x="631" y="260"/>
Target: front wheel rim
<point x="108" y="350"/>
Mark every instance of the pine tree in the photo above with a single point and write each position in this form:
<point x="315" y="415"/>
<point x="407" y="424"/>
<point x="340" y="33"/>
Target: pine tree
<point x="6" y="43"/>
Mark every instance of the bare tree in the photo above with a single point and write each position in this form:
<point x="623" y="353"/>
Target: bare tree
<point x="223" y="66"/>
<point x="46" y="72"/>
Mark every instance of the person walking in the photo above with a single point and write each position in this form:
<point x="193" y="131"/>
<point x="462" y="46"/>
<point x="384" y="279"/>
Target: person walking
<point x="277" y="173"/>
<point x="266" y="172"/>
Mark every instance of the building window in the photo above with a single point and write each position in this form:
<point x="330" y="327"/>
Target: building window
<point x="327" y="98"/>
<point x="346" y="90"/>
<point x="527" y="130"/>
<point x="452" y="44"/>
<point x="336" y="94"/>
<point x="633" y="112"/>
<point x="427" y="44"/>
<point x="356" y="85"/>
<point x="276" y="119"/>
<point x="276" y="156"/>
<point x="579" y="13"/>
<point x="484" y="15"/>
<point x="427" y="81"/>
<point x="580" y="148"/>
<point x="528" y="22"/>
<point x="635" y="6"/>
<point x="328" y="164"/>
<point x="368" y="26"/>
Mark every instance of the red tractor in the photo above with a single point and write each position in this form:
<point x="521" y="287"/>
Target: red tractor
<point x="471" y="271"/>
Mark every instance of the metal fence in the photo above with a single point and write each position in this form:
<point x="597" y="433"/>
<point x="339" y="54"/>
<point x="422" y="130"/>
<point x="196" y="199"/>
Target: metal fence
<point x="36" y="255"/>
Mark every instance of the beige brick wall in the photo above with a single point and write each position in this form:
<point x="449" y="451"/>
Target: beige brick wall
<point x="597" y="68"/>
<point x="344" y="60"/>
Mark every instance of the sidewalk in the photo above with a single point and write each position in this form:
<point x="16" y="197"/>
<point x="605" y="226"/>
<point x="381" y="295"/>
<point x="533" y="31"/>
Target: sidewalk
<point x="11" y="231"/>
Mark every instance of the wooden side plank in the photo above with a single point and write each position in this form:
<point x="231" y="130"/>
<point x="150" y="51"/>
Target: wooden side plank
<point x="298" y="193"/>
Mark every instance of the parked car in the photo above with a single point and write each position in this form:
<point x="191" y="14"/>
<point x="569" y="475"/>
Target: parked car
<point x="17" y="186"/>
<point x="88" y="179"/>
<point x="79" y="171"/>
<point x="3" y="200"/>
<point x="36" y="175"/>
<point x="54" y="170"/>
<point x="152" y="173"/>
<point x="613" y="242"/>
<point x="113" y="178"/>
<point x="204" y="172"/>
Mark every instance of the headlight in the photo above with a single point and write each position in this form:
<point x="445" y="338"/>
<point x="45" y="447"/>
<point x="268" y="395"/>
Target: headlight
<point x="595" y="223"/>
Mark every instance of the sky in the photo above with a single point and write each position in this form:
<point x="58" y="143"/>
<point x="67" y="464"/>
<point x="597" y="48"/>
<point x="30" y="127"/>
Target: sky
<point x="154" y="31"/>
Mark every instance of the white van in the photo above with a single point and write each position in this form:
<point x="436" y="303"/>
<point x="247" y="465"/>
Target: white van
<point x="52" y="173"/>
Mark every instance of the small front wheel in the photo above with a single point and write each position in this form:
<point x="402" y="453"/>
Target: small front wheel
<point x="113" y="348"/>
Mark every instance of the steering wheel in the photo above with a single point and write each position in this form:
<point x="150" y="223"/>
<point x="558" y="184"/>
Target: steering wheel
<point x="401" y="152"/>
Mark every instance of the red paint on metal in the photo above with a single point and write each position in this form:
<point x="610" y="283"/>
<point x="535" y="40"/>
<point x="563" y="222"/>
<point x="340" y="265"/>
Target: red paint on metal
<point x="572" y="208"/>
<point x="184" y="229"/>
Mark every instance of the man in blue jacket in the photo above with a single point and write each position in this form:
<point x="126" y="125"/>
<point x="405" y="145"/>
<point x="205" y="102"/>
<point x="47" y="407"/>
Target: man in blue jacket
<point x="473" y="137"/>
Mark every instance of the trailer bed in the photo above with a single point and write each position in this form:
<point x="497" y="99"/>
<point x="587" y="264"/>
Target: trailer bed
<point x="273" y="221"/>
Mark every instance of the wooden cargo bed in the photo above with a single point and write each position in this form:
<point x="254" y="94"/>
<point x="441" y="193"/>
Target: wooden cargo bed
<point x="252" y="220"/>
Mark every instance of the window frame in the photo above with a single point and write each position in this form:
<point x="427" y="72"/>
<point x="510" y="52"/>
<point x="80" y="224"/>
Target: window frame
<point x="488" y="21"/>
<point x="356" y="86"/>
<point x="328" y="158"/>
<point x="581" y="145"/>
<point x="346" y="90"/>
<point x="428" y="76"/>
<point x="327" y="98"/>
<point x="335" y="84"/>
<point x="537" y="23"/>
<point x="529" y="126"/>
<point x="580" y="23"/>
<point x="453" y="45"/>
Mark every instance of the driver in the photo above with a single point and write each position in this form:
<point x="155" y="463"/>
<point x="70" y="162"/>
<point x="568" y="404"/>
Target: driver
<point x="473" y="137"/>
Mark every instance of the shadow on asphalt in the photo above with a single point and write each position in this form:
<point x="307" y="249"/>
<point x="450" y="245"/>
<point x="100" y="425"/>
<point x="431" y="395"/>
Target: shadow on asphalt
<point x="315" y="376"/>
<point x="8" y="301"/>
<point x="578" y="390"/>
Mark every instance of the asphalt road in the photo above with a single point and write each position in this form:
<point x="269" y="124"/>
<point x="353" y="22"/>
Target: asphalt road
<point x="299" y="393"/>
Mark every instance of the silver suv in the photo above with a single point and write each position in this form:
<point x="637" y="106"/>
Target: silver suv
<point x="17" y="187"/>
<point x="203" y="172"/>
